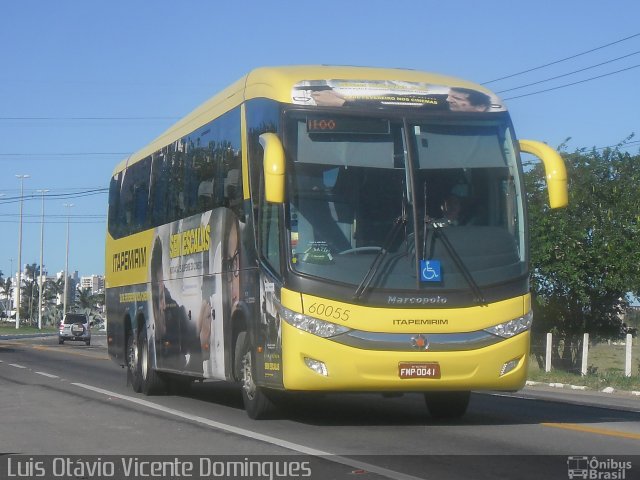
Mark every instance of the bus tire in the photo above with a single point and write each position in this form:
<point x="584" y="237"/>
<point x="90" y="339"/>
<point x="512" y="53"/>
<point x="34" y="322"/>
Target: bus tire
<point x="151" y="382"/>
<point x="256" y="402"/>
<point x="134" y="373"/>
<point x="447" y="405"/>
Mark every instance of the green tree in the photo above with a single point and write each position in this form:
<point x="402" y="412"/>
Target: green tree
<point x="585" y="258"/>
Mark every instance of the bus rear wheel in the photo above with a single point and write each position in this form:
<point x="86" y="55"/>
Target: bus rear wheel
<point x="256" y="402"/>
<point x="447" y="405"/>
<point x="152" y="382"/>
<point x="134" y="373"/>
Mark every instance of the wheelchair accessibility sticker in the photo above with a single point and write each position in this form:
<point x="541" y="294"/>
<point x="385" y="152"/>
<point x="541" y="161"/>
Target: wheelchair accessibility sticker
<point x="430" y="271"/>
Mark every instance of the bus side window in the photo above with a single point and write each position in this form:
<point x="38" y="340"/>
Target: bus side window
<point x="175" y="197"/>
<point x="134" y="197"/>
<point x="205" y="195"/>
<point x="233" y="191"/>
<point x="115" y="227"/>
<point x="158" y="190"/>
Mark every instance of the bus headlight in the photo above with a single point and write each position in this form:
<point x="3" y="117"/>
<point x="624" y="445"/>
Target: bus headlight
<point x="311" y="325"/>
<point x="512" y="327"/>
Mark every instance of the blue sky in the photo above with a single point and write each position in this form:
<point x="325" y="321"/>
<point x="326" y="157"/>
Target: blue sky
<point x="84" y="83"/>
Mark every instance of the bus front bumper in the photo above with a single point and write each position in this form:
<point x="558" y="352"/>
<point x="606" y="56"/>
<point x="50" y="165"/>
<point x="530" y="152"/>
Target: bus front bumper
<point x="312" y="363"/>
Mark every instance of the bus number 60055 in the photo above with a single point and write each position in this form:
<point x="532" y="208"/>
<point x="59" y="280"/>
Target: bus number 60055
<point x="329" y="311"/>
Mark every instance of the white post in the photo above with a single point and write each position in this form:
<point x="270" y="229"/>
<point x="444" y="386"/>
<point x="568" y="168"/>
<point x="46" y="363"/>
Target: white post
<point x="627" y="359"/>
<point x="21" y="178"/>
<point x="41" y="262"/>
<point x="585" y="353"/>
<point x="547" y="355"/>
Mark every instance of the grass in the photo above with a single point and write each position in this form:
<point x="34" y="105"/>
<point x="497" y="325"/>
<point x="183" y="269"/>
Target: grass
<point x="9" y="328"/>
<point x="595" y="381"/>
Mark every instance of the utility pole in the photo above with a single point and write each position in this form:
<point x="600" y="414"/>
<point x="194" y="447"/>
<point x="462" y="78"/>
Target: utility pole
<point x="66" y="265"/>
<point x="21" y="178"/>
<point x="41" y="262"/>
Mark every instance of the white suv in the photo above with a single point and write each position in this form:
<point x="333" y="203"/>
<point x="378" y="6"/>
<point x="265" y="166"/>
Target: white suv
<point x="75" y="326"/>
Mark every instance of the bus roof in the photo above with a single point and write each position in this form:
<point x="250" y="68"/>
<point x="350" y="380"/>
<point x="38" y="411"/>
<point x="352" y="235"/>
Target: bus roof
<point x="277" y="83"/>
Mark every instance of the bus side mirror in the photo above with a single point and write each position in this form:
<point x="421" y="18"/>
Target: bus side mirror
<point x="274" y="167"/>
<point x="554" y="168"/>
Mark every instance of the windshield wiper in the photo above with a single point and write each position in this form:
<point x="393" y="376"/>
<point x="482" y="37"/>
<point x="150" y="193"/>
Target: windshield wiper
<point x="438" y="232"/>
<point x="398" y="224"/>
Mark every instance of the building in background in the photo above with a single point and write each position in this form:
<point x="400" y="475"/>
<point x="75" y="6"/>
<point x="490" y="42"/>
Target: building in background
<point x="72" y="287"/>
<point x="93" y="282"/>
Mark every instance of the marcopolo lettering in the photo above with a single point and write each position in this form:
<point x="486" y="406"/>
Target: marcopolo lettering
<point x="392" y="299"/>
<point x="130" y="259"/>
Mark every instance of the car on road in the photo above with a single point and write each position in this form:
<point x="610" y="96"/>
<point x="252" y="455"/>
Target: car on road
<point x="75" y="326"/>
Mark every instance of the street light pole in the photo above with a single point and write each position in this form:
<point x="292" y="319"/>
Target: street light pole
<point x="41" y="262"/>
<point x="21" y="178"/>
<point x="66" y="264"/>
<point x="9" y="296"/>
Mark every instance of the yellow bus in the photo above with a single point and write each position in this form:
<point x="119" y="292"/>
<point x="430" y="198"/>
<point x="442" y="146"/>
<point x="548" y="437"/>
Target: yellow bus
<point x="327" y="229"/>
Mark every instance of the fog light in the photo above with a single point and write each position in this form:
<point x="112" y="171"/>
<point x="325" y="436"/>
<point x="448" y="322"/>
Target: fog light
<point x="509" y="366"/>
<point x="317" y="366"/>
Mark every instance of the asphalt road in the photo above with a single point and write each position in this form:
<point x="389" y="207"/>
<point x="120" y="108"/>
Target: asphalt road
<point x="73" y="400"/>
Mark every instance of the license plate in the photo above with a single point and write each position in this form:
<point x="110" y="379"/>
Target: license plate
<point x="419" y="370"/>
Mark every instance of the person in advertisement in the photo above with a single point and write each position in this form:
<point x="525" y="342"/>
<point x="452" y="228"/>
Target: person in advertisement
<point x="170" y="319"/>
<point x="468" y="100"/>
<point x="220" y="298"/>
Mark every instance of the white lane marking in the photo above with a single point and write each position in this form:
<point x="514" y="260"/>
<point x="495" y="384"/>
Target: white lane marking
<point x="47" y="375"/>
<point x="258" y="436"/>
<point x="16" y="365"/>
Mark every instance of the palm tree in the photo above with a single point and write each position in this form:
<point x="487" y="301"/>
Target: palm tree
<point x="7" y="290"/>
<point x="86" y="300"/>
<point x="89" y="303"/>
<point x="27" y="292"/>
<point x="2" y="307"/>
<point x="53" y="289"/>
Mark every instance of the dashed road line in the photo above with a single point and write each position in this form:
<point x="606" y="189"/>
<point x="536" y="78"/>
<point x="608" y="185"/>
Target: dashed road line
<point x="49" y="375"/>
<point x="16" y="365"/>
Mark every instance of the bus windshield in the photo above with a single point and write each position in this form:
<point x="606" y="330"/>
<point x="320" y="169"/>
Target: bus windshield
<point x="385" y="197"/>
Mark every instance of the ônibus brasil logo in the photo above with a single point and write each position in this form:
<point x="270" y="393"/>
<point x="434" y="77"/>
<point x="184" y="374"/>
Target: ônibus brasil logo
<point x="594" y="468"/>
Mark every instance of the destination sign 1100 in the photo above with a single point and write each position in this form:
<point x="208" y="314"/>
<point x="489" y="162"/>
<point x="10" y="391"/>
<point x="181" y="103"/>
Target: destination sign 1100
<point x="350" y="125"/>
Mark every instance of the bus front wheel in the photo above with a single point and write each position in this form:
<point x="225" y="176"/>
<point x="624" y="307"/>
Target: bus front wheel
<point x="256" y="402"/>
<point x="447" y="405"/>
